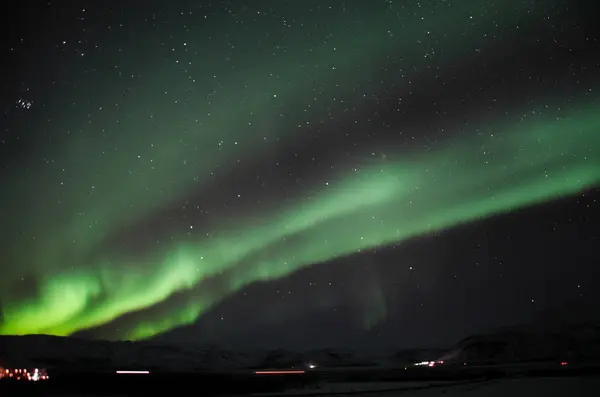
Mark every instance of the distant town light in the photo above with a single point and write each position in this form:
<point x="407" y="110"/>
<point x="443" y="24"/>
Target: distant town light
<point x="24" y="374"/>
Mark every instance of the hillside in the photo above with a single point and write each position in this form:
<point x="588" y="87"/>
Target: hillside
<point x="567" y="333"/>
<point x="82" y="354"/>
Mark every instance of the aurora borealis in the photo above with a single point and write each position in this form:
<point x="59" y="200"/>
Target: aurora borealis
<point x="176" y="155"/>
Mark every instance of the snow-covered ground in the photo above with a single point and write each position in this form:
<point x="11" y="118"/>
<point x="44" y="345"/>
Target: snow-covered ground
<point x="520" y="387"/>
<point x="358" y="387"/>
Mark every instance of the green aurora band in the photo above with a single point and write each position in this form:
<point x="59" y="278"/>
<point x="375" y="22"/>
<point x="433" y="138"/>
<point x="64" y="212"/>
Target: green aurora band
<point x="526" y="164"/>
<point x="511" y="166"/>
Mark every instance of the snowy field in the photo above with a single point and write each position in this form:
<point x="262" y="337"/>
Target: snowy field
<point x="526" y="387"/>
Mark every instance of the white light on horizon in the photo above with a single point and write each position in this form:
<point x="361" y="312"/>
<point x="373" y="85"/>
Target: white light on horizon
<point x="133" y="372"/>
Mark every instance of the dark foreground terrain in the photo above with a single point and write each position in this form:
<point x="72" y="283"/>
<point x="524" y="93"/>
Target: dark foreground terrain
<point x="448" y="380"/>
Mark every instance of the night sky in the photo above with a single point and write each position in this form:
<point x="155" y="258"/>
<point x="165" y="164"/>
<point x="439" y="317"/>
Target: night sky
<point x="297" y="173"/>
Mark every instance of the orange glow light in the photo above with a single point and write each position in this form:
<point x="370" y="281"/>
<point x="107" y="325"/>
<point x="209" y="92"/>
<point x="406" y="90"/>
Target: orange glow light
<point x="284" y="372"/>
